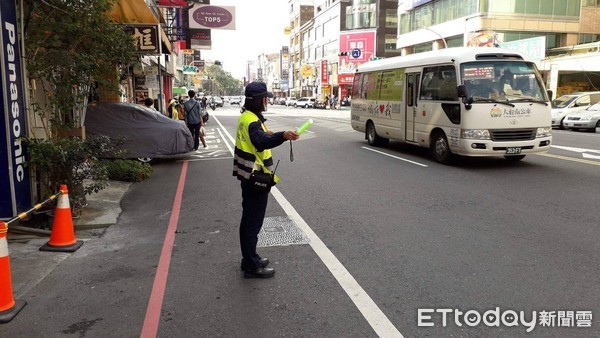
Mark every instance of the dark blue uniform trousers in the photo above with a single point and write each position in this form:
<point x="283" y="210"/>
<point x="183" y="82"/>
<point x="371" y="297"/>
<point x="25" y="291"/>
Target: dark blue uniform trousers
<point x="254" y="206"/>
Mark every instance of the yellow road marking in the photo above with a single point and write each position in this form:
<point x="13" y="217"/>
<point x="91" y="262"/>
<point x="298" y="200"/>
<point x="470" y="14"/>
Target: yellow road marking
<point x="566" y="158"/>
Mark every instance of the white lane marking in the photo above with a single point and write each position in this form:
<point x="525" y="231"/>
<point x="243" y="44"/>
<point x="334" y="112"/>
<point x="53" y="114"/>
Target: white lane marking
<point x="396" y="157"/>
<point x="583" y="151"/>
<point x="372" y="313"/>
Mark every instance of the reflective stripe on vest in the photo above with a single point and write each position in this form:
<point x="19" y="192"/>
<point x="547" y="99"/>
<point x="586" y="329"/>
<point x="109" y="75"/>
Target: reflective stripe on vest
<point x="246" y="159"/>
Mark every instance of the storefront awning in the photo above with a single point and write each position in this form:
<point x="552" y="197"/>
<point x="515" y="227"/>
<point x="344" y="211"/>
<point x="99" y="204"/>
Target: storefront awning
<point x="138" y="12"/>
<point x="179" y="90"/>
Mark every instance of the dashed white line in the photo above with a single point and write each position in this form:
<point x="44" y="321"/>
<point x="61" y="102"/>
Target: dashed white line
<point x="396" y="157"/>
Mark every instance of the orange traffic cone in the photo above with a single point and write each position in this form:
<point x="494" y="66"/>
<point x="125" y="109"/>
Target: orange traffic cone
<point x="62" y="237"/>
<point x="8" y="306"/>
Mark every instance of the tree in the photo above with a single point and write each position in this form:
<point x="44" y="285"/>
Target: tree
<point x="71" y="48"/>
<point x="222" y="83"/>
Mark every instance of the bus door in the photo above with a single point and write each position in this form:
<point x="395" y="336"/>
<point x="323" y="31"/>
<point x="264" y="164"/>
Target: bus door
<point x="410" y="111"/>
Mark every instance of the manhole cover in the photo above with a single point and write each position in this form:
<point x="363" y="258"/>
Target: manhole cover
<point x="280" y="230"/>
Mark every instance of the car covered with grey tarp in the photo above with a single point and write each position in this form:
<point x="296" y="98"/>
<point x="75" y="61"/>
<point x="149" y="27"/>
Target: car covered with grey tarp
<point x="146" y="134"/>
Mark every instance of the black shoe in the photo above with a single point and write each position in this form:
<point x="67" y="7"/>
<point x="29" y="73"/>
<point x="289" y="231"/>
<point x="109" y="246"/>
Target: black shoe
<point x="262" y="263"/>
<point x="259" y="273"/>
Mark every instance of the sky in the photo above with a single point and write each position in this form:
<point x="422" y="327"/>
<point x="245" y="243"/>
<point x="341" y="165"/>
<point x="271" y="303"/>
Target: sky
<point x="259" y="28"/>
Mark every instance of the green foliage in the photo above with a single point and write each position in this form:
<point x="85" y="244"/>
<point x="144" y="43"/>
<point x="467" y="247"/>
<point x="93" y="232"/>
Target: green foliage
<point x="222" y="82"/>
<point x="128" y="170"/>
<point x="71" y="46"/>
<point x="70" y="161"/>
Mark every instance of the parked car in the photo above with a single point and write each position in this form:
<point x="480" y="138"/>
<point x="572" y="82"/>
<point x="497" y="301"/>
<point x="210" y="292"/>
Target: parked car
<point x="588" y="119"/>
<point x="146" y="133"/>
<point x="235" y="100"/>
<point x="218" y="101"/>
<point x="305" y="102"/>
<point x="571" y="103"/>
<point x="290" y="101"/>
<point x="279" y="100"/>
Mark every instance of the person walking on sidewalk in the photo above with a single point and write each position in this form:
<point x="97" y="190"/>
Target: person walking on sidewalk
<point x="253" y="144"/>
<point x="193" y="119"/>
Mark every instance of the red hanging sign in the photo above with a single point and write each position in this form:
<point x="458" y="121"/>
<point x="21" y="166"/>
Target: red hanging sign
<point x="324" y="74"/>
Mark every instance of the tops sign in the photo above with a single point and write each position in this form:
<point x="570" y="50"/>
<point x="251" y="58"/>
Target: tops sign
<point x="212" y="17"/>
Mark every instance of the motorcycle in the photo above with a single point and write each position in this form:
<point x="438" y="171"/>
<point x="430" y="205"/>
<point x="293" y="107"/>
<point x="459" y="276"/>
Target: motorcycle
<point x="213" y="105"/>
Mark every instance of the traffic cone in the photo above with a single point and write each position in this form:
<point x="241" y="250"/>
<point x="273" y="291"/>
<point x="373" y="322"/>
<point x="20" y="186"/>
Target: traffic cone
<point x="62" y="238"/>
<point x="8" y="306"/>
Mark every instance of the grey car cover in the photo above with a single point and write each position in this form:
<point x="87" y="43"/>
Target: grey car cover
<point x="146" y="132"/>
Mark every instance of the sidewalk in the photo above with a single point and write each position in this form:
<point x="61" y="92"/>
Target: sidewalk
<point x="29" y="266"/>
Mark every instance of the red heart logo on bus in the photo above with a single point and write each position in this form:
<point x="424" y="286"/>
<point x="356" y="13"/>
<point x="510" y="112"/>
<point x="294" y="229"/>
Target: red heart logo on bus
<point x="381" y="108"/>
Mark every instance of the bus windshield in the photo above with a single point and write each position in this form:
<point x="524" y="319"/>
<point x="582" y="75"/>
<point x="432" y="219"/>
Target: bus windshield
<point x="503" y="81"/>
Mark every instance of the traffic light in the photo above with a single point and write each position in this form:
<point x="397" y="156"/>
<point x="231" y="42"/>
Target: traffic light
<point x="344" y="53"/>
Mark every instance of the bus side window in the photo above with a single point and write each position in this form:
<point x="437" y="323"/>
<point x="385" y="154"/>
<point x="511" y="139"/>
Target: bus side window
<point x="426" y="94"/>
<point x="448" y="91"/>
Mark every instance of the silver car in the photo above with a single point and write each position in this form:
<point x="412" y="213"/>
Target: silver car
<point x="588" y="119"/>
<point x="571" y="103"/>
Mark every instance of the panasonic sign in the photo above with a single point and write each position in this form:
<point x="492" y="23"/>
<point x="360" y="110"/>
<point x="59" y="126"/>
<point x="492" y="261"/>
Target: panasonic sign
<point x="15" y="193"/>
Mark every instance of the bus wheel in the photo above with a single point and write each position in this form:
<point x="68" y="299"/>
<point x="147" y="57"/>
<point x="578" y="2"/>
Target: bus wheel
<point x="440" y="149"/>
<point x="514" y="158"/>
<point x="373" y="139"/>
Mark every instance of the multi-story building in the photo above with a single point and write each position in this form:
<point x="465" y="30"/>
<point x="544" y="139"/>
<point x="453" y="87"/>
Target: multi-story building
<point x="330" y="38"/>
<point x="544" y="28"/>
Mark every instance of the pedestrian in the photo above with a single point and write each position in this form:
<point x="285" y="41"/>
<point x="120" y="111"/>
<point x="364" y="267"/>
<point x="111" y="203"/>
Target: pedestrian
<point x="333" y="102"/>
<point x="149" y="103"/>
<point x="172" y="110"/>
<point x="253" y="144"/>
<point x="193" y="119"/>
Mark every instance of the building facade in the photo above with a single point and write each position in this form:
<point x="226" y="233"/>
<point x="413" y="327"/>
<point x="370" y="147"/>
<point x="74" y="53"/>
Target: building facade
<point x="551" y="28"/>
<point x="330" y="38"/>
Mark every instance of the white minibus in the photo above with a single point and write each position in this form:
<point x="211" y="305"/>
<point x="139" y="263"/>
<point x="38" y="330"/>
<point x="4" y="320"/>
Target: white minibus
<point x="470" y="101"/>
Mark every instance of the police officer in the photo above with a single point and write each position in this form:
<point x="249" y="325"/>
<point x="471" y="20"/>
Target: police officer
<point x="253" y="144"/>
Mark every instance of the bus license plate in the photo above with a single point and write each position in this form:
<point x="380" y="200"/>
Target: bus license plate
<point x="513" y="150"/>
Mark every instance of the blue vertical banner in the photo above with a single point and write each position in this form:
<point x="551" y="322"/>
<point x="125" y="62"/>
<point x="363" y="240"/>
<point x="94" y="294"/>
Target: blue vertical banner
<point x="15" y="186"/>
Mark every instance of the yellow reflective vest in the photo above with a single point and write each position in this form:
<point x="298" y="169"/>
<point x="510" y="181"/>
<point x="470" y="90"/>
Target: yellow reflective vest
<point x="246" y="158"/>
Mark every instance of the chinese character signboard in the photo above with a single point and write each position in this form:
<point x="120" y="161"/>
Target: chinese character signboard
<point x="145" y="38"/>
<point x="200" y="38"/>
<point x="15" y="189"/>
<point x="351" y="42"/>
<point x="285" y="65"/>
<point x="535" y="48"/>
<point x="324" y="73"/>
<point x="345" y="79"/>
<point x="212" y="17"/>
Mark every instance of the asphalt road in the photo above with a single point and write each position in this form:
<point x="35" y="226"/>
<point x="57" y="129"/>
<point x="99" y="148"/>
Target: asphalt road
<point x="366" y="241"/>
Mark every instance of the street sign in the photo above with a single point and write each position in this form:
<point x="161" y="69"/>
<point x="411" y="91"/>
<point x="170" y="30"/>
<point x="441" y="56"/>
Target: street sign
<point x="356" y="53"/>
<point x="190" y="69"/>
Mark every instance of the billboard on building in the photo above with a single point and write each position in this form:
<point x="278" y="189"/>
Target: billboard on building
<point x="285" y="65"/>
<point x="15" y="187"/>
<point x="534" y="48"/>
<point x="212" y="17"/>
<point x="200" y="38"/>
<point x="146" y="38"/>
<point x="356" y="48"/>
<point x="324" y="73"/>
